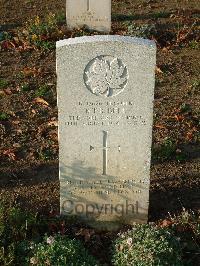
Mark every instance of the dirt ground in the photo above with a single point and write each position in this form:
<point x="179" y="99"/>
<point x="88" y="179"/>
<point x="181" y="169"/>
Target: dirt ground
<point x="28" y="135"/>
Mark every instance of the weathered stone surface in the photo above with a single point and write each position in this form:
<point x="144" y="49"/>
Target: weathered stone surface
<point x="95" y="15"/>
<point x="105" y="102"/>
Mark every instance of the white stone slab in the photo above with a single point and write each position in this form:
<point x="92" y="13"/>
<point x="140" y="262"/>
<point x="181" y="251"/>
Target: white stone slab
<point x="105" y="87"/>
<point x="95" y="15"/>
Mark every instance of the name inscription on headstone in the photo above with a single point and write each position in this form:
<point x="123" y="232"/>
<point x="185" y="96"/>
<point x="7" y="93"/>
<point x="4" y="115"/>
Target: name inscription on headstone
<point x="104" y="114"/>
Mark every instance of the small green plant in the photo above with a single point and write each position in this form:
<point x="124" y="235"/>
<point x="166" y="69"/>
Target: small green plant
<point x="7" y="256"/>
<point x="194" y="88"/>
<point x="197" y="229"/>
<point x="60" y="18"/>
<point x="1" y="36"/>
<point x="194" y="44"/>
<point x="184" y="218"/>
<point x="181" y="157"/>
<point x="42" y="91"/>
<point x="4" y="116"/>
<point x="45" y="154"/>
<point x="37" y="27"/>
<point x="42" y="33"/>
<point x="25" y="87"/>
<point x="196" y="84"/>
<point x="3" y="83"/>
<point x="5" y="36"/>
<point x="19" y="224"/>
<point x="59" y="250"/>
<point x="20" y="75"/>
<point x="165" y="151"/>
<point x="46" y="45"/>
<point x="143" y="31"/>
<point x="147" y="245"/>
<point x="15" y="225"/>
<point x="184" y="108"/>
<point x="161" y="14"/>
<point x="186" y="226"/>
<point x="2" y="224"/>
<point x="81" y="32"/>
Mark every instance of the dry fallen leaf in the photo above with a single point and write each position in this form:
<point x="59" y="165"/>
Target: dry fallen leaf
<point x="120" y="247"/>
<point x="87" y="233"/>
<point x="53" y="123"/>
<point x="7" y="45"/>
<point x="16" y="39"/>
<point x="179" y="118"/>
<point x="25" y="46"/>
<point x="160" y="126"/>
<point x="40" y="100"/>
<point x="53" y="134"/>
<point x="33" y="111"/>
<point x="16" y="145"/>
<point x="25" y="32"/>
<point x="10" y="153"/>
<point x="7" y="91"/>
<point x="158" y="70"/>
<point x="41" y="128"/>
<point x="18" y="89"/>
<point x="28" y="72"/>
<point x="2" y="92"/>
<point x="166" y="223"/>
<point x="165" y="50"/>
<point x="16" y="122"/>
<point x="190" y="134"/>
<point x="19" y="131"/>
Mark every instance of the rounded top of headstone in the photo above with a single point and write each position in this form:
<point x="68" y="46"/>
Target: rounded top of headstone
<point x="106" y="38"/>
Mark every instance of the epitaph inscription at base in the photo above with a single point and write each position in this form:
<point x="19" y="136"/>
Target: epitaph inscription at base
<point x="105" y="88"/>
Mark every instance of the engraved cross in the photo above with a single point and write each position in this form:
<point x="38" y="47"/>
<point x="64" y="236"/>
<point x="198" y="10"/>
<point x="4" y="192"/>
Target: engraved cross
<point x="88" y="5"/>
<point x="105" y="151"/>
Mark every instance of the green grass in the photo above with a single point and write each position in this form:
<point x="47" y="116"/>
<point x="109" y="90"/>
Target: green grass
<point x="196" y="84"/>
<point x="42" y="91"/>
<point x="165" y="151"/>
<point x="161" y="14"/>
<point x="4" y="116"/>
<point x="45" y="155"/>
<point x="194" y="44"/>
<point x="25" y="87"/>
<point x="3" y="83"/>
<point x="185" y="107"/>
<point x="168" y="150"/>
<point x="45" y="45"/>
<point x="60" y="18"/>
<point x="142" y="31"/>
<point x="4" y="36"/>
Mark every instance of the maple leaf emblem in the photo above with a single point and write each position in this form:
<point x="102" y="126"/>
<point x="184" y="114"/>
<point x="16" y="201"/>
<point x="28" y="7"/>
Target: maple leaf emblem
<point x="106" y="77"/>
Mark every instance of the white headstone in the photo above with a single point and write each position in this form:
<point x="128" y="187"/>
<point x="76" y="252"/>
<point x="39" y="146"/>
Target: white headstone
<point x="95" y="15"/>
<point x="105" y="90"/>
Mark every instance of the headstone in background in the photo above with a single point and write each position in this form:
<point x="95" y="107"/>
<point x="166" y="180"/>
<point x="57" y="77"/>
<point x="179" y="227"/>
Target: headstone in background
<point x="105" y="102"/>
<point x="95" y="15"/>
